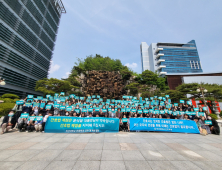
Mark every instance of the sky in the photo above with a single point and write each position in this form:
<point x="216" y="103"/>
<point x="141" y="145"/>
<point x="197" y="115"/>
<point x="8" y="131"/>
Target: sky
<point x="116" y="28"/>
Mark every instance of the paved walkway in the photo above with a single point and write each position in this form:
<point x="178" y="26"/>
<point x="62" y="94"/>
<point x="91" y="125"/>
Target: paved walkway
<point x="117" y="151"/>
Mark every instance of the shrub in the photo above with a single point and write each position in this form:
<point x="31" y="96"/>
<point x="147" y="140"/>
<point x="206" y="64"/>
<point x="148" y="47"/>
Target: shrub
<point x="8" y="100"/>
<point x="221" y="114"/>
<point x="11" y="96"/>
<point x="5" y="108"/>
<point x="213" y="116"/>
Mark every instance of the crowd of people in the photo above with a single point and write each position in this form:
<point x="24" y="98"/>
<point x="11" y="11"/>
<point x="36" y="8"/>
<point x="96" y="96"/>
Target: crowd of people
<point x="129" y="107"/>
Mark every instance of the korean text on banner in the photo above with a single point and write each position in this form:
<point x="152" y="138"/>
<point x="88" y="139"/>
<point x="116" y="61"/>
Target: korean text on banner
<point x="166" y="125"/>
<point x="81" y="125"/>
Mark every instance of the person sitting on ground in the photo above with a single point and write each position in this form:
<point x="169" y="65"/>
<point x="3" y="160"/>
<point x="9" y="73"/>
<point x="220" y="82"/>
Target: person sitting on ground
<point x="38" y="125"/>
<point x="205" y="127"/>
<point x="30" y="126"/>
<point x="9" y="122"/>
<point x="196" y="119"/>
<point x="22" y="124"/>
<point x="214" y="128"/>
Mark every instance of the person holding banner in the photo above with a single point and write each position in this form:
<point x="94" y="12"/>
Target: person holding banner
<point x="38" y="124"/>
<point x="22" y="124"/>
<point x="9" y="122"/>
<point x="35" y="111"/>
<point x="18" y="109"/>
<point x="124" y="123"/>
<point x="30" y="125"/>
<point x="26" y="109"/>
<point x="196" y="119"/>
<point x="118" y="113"/>
<point x="112" y="113"/>
<point x="205" y="127"/>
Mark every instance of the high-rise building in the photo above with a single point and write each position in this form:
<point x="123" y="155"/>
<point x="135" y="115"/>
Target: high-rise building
<point x="28" y="30"/>
<point x="166" y="58"/>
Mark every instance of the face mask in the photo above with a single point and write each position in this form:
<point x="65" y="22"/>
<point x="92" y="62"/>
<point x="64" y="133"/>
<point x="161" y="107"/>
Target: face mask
<point x="209" y="117"/>
<point x="10" y="114"/>
<point x="67" y="114"/>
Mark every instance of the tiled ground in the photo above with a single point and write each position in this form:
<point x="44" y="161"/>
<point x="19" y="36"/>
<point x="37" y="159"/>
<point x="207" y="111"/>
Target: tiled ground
<point x="117" y="151"/>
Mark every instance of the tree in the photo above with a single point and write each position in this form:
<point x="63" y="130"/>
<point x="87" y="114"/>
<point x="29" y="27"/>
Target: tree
<point x="99" y="62"/>
<point x="175" y="95"/>
<point x="53" y="85"/>
<point x="150" y="78"/>
<point x="133" y="87"/>
<point x="11" y="96"/>
<point x="189" y="91"/>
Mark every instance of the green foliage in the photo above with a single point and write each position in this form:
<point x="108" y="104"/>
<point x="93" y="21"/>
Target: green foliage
<point x="8" y="100"/>
<point x="150" y="78"/>
<point x="221" y="114"/>
<point x="72" y="79"/>
<point x="214" y="93"/>
<point x="147" y="94"/>
<point x="213" y="116"/>
<point x="99" y="62"/>
<point x="133" y="87"/>
<point x="5" y="108"/>
<point x="175" y="95"/>
<point x="11" y="96"/>
<point x="77" y="93"/>
<point x="53" y="85"/>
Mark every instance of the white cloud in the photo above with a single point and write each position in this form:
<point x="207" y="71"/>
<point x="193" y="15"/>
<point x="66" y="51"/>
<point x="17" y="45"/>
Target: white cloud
<point x="53" y="67"/>
<point x="67" y="75"/>
<point x="133" y="65"/>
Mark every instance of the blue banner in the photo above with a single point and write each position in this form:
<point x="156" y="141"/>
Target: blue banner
<point x="81" y="125"/>
<point x="166" y="125"/>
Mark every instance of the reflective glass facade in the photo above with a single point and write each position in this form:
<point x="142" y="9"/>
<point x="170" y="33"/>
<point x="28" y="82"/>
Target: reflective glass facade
<point x="144" y="56"/>
<point x="179" y="58"/>
<point x="174" y="58"/>
<point x="28" y="30"/>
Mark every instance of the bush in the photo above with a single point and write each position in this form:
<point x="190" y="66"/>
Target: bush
<point x="15" y="100"/>
<point x="221" y="114"/>
<point x="8" y="100"/>
<point x="11" y="96"/>
<point x="5" y="108"/>
<point x="213" y="116"/>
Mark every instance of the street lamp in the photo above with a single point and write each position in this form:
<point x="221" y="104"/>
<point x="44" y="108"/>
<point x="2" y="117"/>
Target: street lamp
<point x="202" y="90"/>
<point x="2" y="81"/>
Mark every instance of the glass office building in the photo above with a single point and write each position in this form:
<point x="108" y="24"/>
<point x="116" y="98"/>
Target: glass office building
<point x="174" y="58"/>
<point x="28" y="30"/>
